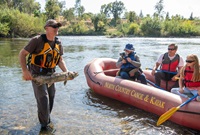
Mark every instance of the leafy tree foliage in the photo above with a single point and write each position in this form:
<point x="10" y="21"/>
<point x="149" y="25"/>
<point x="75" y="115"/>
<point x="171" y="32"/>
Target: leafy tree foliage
<point x="79" y="10"/>
<point x="133" y="29"/>
<point x="99" y="22"/>
<point x="4" y="23"/>
<point x="159" y="7"/>
<point x="87" y="16"/>
<point x="18" y="24"/>
<point x="191" y="17"/>
<point x="167" y="16"/>
<point x="151" y="26"/>
<point x="131" y="16"/>
<point x="52" y="9"/>
<point x="79" y="28"/>
<point x="22" y="18"/>
<point x="141" y="14"/>
<point x="26" y="6"/>
<point x="105" y="9"/>
<point x="69" y="14"/>
<point x="179" y="27"/>
<point x="62" y="4"/>
<point x="123" y="28"/>
<point x="117" y="8"/>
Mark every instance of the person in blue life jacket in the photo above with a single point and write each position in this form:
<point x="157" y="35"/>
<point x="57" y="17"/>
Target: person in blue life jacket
<point x="129" y="64"/>
<point x="168" y="62"/>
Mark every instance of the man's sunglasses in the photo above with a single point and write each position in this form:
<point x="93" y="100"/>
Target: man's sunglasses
<point x="189" y="61"/>
<point x="54" y="26"/>
<point x="171" y="49"/>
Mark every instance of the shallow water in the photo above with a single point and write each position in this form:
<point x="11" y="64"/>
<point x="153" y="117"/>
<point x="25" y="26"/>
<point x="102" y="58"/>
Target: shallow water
<point x="77" y="109"/>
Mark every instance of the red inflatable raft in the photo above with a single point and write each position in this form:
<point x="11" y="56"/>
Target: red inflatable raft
<point x="101" y="77"/>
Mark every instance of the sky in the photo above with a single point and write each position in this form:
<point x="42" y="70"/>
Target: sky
<point x="180" y="7"/>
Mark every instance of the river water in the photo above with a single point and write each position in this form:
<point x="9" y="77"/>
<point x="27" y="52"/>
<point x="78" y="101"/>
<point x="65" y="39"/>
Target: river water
<point x="77" y="109"/>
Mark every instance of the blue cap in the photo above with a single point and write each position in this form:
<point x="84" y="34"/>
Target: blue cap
<point x="129" y="47"/>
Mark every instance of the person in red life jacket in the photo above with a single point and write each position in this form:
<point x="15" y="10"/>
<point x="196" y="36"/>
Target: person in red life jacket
<point x="45" y="53"/>
<point x="189" y="81"/>
<point x="129" y="64"/>
<point x="170" y="64"/>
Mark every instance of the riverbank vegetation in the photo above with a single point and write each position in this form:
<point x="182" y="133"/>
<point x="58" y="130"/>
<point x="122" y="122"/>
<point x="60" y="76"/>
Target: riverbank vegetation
<point x="24" y="18"/>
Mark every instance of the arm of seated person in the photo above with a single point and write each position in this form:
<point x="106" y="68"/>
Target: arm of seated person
<point x="136" y="62"/>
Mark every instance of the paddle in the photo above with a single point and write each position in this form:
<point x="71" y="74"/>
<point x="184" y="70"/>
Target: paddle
<point x="162" y="71"/>
<point x="153" y="84"/>
<point x="170" y="112"/>
<point x="110" y="70"/>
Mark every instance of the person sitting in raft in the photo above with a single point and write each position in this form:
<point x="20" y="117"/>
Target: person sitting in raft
<point x="129" y="64"/>
<point x="189" y="81"/>
<point x="170" y="64"/>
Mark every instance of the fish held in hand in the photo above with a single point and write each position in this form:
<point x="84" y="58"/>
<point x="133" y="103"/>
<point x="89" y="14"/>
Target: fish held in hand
<point x="56" y="77"/>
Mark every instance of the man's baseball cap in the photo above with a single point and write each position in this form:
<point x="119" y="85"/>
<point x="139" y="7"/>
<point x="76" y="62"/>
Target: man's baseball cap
<point x="52" y="22"/>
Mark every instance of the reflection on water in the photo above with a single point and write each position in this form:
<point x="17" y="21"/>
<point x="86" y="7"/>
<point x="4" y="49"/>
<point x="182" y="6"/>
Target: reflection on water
<point x="9" y="50"/>
<point x="77" y="109"/>
<point x="132" y="120"/>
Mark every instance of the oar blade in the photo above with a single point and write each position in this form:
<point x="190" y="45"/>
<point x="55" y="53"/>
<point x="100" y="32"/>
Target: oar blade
<point x="167" y="115"/>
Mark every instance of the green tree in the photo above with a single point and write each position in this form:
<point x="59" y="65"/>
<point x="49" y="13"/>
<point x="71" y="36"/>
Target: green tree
<point x="29" y="6"/>
<point x="62" y="4"/>
<point x="69" y="14"/>
<point x="172" y="27"/>
<point x="133" y="29"/>
<point x="122" y="29"/>
<point x="141" y="14"/>
<point x="27" y="26"/>
<point x="167" y="16"/>
<point x="5" y="3"/>
<point x="8" y="19"/>
<point x="4" y="29"/>
<point x="52" y="9"/>
<point x="117" y="8"/>
<point x="105" y="9"/>
<point x="87" y="16"/>
<point x="151" y="26"/>
<point x="79" y="10"/>
<point x="26" y="6"/>
<point x="19" y="24"/>
<point x="187" y="28"/>
<point x="159" y="8"/>
<point x="191" y="16"/>
<point x="80" y="28"/>
<point x="99" y="22"/>
<point x="132" y="17"/>
<point x="4" y="23"/>
<point x="16" y="4"/>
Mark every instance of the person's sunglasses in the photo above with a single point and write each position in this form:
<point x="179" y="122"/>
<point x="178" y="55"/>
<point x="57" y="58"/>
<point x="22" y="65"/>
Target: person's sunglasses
<point x="189" y="61"/>
<point x="54" y="26"/>
<point x="171" y="49"/>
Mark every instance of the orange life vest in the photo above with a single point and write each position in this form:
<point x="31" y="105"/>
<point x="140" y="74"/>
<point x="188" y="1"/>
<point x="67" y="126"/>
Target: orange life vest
<point x="48" y="57"/>
<point x="170" y="65"/>
<point x="188" y="77"/>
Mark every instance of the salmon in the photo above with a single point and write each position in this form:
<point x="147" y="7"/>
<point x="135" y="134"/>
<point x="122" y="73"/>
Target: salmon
<point x="56" y="77"/>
